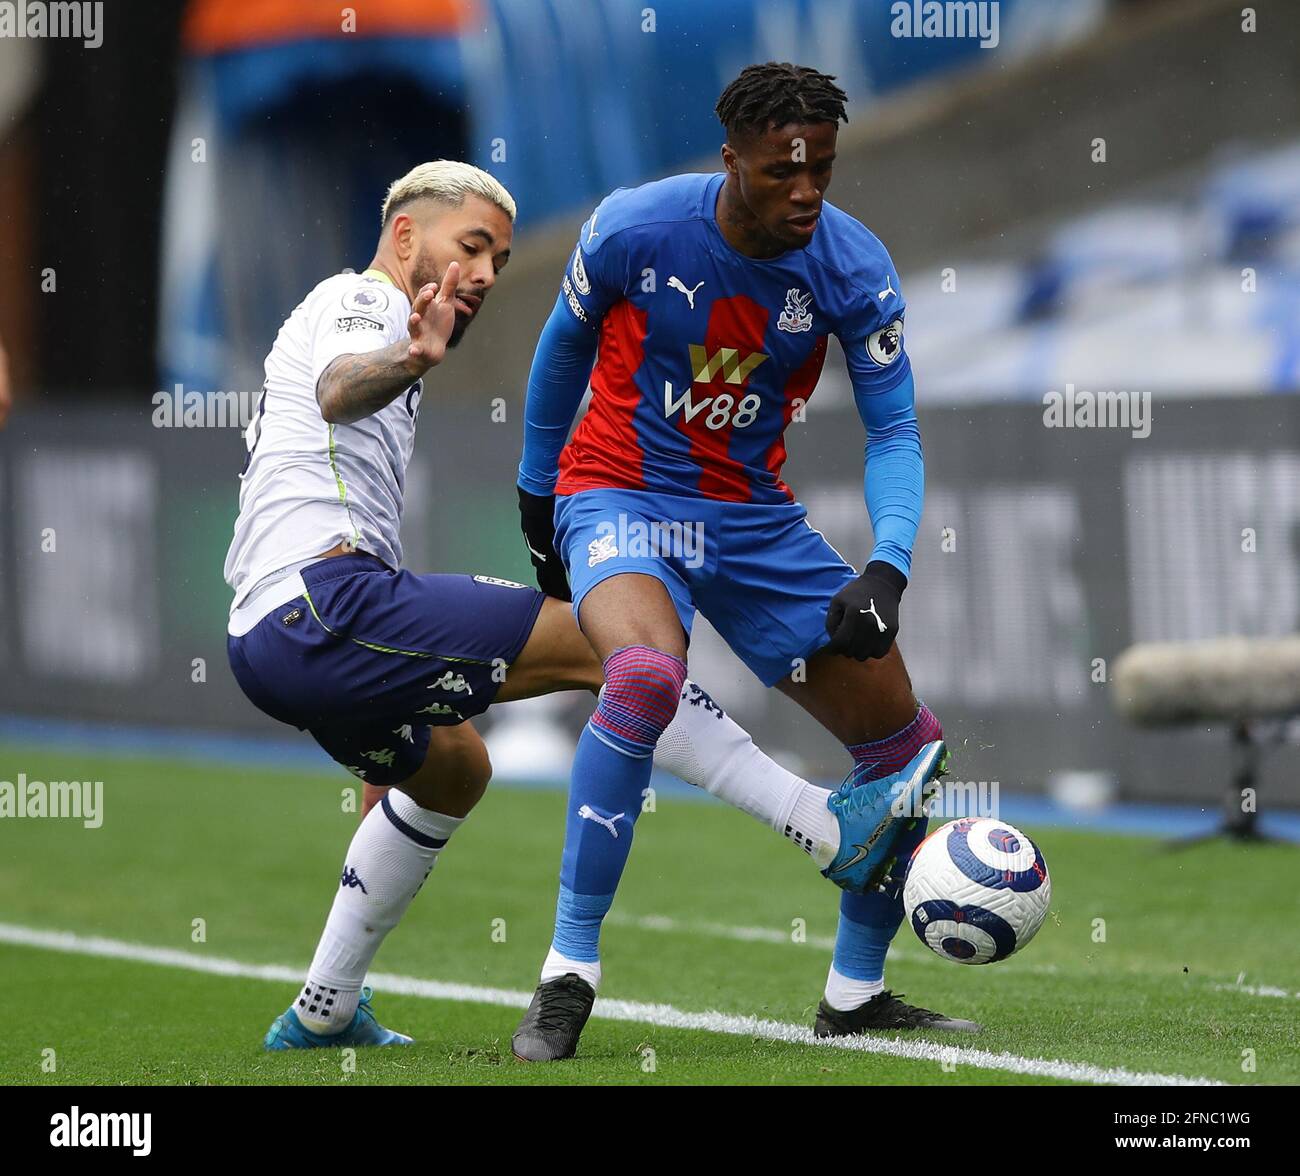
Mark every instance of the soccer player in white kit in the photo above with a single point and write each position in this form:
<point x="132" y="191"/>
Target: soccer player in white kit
<point x="383" y="667"/>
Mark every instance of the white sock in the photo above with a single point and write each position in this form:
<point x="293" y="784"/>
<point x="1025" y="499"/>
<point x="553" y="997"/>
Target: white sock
<point x="709" y="749"/>
<point x="557" y="965"/>
<point x="385" y="867"/>
<point x="844" y="994"/>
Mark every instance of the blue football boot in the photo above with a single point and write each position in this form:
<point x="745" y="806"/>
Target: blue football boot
<point x="872" y="814"/>
<point x="287" y="1032"/>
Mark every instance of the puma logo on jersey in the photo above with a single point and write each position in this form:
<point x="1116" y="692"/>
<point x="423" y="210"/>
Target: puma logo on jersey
<point x="888" y="290"/>
<point x="587" y="813"/>
<point x="675" y="283"/>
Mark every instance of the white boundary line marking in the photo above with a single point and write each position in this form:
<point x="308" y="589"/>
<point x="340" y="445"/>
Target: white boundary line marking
<point x="661" y="1015"/>
<point x="1256" y="990"/>
<point x="906" y="952"/>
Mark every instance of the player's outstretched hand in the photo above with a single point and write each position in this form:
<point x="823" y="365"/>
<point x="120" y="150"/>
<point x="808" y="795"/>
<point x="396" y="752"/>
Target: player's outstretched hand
<point x="537" y="518"/>
<point x="433" y="316"/>
<point x="863" y="617"/>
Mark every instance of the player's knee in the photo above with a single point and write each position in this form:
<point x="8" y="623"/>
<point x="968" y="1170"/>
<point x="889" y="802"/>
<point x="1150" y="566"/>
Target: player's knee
<point x="476" y="765"/>
<point x="642" y="689"/>
<point x="455" y="773"/>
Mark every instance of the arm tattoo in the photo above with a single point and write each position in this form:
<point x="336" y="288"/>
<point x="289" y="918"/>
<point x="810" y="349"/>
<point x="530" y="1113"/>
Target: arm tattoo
<point x="355" y="386"/>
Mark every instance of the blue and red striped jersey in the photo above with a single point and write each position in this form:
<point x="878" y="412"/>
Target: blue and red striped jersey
<point x="705" y="355"/>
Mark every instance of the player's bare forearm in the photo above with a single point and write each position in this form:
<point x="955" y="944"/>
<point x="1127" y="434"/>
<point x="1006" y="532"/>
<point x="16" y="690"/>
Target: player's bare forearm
<point x="355" y="386"/>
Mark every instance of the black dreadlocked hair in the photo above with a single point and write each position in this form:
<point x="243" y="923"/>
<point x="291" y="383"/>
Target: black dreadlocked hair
<point x="778" y="93"/>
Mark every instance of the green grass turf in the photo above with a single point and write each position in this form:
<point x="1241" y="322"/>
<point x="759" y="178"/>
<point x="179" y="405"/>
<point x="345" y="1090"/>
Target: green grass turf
<point x="256" y="854"/>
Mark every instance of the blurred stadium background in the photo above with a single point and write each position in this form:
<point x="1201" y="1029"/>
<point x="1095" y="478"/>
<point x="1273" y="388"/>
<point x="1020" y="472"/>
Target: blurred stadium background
<point x="168" y="197"/>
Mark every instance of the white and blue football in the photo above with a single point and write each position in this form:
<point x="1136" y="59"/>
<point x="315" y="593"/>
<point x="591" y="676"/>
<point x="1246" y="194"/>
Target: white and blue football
<point x="976" y="891"/>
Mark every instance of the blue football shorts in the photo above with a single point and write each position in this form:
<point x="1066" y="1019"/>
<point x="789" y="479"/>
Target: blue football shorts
<point x="368" y="658"/>
<point x="761" y="574"/>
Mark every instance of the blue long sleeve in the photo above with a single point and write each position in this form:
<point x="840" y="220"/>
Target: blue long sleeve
<point x="894" y="480"/>
<point x="557" y="380"/>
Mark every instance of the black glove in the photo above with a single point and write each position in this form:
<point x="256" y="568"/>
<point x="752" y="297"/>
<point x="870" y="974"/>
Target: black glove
<point x="863" y="617"/>
<point x="537" y="518"/>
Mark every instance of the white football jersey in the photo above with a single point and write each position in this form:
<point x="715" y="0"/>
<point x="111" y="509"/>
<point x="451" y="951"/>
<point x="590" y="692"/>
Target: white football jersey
<point x="308" y="485"/>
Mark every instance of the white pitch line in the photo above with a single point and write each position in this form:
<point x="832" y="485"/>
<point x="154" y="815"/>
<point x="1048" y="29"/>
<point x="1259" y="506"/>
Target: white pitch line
<point x="660" y="1015"/>
<point x="672" y="926"/>
<point x="904" y="952"/>
<point x="1256" y="990"/>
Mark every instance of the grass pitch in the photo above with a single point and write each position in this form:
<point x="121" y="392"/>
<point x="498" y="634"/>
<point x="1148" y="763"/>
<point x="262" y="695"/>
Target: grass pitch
<point x="1156" y="962"/>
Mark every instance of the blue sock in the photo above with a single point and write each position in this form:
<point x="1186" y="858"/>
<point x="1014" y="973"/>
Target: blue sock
<point x="607" y="786"/>
<point x="869" y="922"/>
<point x="577" y="924"/>
<point x="611" y="772"/>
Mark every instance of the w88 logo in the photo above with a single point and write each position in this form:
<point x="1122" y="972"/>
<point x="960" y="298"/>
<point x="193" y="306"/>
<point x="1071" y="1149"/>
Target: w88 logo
<point x="723" y="409"/>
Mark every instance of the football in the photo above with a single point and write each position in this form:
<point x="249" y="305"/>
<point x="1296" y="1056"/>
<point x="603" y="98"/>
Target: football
<point x="977" y="890"/>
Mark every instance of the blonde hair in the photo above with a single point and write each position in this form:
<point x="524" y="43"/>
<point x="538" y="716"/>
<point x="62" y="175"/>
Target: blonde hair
<point x="448" y="181"/>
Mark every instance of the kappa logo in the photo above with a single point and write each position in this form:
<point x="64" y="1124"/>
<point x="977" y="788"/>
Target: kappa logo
<point x="406" y="731"/>
<point x="600" y="549"/>
<point x="796" y="317"/>
<point x="587" y="813"/>
<point x="350" y="880"/>
<point x="385" y="756"/>
<point x="452" y="682"/>
<point x="695" y="695"/>
<point x="439" y="708"/>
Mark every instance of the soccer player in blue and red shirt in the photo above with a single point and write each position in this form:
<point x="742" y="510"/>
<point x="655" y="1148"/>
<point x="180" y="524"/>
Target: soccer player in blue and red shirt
<point x="705" y="303"/>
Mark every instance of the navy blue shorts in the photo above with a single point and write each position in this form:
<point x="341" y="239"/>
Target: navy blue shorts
<point x="369" y="658"/>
